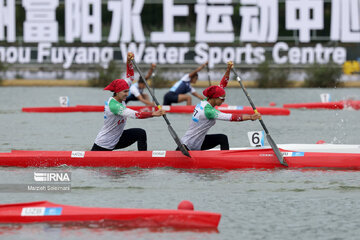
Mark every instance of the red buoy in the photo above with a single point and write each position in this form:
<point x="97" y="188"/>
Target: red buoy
<point x="186" y="205"/>
<point x="272" y="104"/>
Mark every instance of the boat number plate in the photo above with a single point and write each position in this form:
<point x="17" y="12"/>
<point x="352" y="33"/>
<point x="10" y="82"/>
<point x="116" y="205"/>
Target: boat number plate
<point x="158" y="153"/>
<point x="77" y="154"/>
<point x="292" y="154"/>
<point x="41" y="211"/>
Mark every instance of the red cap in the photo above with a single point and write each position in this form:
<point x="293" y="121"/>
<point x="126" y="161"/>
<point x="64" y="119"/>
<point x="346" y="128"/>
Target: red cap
<point x="117" y="85"/>
<point x="214" y="92"/>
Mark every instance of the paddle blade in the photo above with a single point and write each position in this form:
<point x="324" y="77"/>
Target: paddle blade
<point x="276" y="150"/>
<point x="177" y="140"/>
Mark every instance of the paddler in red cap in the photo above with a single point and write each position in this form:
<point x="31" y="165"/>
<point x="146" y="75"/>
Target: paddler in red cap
<point x="112" y="135"/>
<point x="205" y="116"/>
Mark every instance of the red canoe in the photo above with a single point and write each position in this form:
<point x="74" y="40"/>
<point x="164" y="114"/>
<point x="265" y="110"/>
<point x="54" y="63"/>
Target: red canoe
<point x="169" y="109"/>
<point x="35" y="212"/>
<point x="328" y="105"/>
<point x="296" y="156"/>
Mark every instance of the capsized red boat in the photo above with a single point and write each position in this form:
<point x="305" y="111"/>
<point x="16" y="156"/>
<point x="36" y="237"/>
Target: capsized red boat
<point x="346" y="104"/>
<point x="169" y="109"/>
<point x="44" y="211"/>
<point x="296" y="155"/>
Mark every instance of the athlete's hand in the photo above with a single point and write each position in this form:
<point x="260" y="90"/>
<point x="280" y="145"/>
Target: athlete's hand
<point x="255" y="116"/>
<point x="153" y="66"/>
<point x="130" y="56"/>
<point x="159" y="113"/>
<point x="230" y="64"/>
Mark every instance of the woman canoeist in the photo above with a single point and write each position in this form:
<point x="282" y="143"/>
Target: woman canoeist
<point x="136" y="90"/>
<point x="112" y="135"/>
<point x="205" y="116"/>
<point x="178" y="92"/>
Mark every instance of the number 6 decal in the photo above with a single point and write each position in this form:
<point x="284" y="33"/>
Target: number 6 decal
<point x="256" y="139"/>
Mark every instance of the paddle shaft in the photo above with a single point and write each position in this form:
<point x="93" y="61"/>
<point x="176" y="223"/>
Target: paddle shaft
<point x="208" y="74"/>
<point x="268" y="137"/>
<point x="251" y="102"/>
<point x="170" y="128"/>
<point x="152" y="82"/>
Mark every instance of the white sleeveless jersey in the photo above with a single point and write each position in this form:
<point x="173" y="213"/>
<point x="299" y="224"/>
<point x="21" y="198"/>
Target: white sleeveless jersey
<point x="203" y="118"/>
<point x="115" y="116"/>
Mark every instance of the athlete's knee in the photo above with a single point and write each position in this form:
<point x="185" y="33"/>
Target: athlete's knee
<point x="142" y="134"/>
<point x="224" y="142"/>
<point x="223" y="138"/>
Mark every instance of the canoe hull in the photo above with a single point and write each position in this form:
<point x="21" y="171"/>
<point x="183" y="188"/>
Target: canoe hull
<point x="169" y="109"/>
<point x="230" y="159"/>
<point x="35" y="212"/>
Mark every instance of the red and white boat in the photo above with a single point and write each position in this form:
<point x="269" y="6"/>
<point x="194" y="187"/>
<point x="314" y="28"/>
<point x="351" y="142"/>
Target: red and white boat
<point x="346" y="104"/>
<point x="44" y="211"/>
<point x="169" y="109"/>
<point x="296" y="156"/>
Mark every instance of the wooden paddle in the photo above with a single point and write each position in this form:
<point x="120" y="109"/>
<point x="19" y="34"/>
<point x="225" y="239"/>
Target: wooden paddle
<point x="171" y="130"/>
<point x="268" y="137"/>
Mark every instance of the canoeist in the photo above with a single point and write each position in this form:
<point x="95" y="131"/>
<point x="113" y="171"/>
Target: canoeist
<point x="178" y="92"/>
<point x="205" y="116"/>
<point x="112" y="135"/>
<point x="136" y="90"/>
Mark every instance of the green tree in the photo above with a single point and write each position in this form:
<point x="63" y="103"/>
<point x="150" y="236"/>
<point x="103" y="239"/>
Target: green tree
<point x="272" y="77"/>
<point x="105" y="75"/>
<point x="323" y="76"/>
<point x="158" y="82"/>
<point x="2" y="71"/>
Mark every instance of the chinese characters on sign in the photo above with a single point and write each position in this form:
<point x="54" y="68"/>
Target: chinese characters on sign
<point x="219" y="28"/>
<point x="83" y="20"/>
<point x="126" y="21"/>
<point x="304" y="16"/>
<point x="7" y="19"/>
<point x="259" y="21"/>
<point x="40" y="24"/>
<point x="214" y="24"/>
<point x="345" y="21"/>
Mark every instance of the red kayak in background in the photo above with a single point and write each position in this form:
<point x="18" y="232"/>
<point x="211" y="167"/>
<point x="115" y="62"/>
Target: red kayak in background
<point x="351" y="104"/>
<point x="169" y="109"/>
<point x="44" y="211"/>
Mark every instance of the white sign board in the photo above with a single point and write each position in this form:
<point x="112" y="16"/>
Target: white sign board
<point x="64" y="101"/>
<point x="256" y="138"/>
<point x="325" y="97"/>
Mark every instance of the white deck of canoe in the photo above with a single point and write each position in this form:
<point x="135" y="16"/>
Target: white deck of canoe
<point x="328" y="148"/>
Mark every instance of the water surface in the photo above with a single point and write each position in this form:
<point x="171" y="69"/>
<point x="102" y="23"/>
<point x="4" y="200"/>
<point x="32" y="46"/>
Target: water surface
<point x="255" y="204"/>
